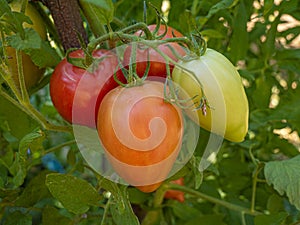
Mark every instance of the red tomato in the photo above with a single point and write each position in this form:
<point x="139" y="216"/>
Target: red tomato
<point x="174" y="194"/>
<point x="157" y="62"/>
<point x="76" y="93"/>
<point x="141" y="133"/>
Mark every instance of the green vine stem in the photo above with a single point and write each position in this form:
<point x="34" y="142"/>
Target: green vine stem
<point x="195" y="45"/>
<point x="258" y="169"/>
<point x="21" y="78"/>
<point x="106" y="209"/>
<point x="57" y="147"/>
<point x="153" y="216"/>
<point x="212" y="199"/>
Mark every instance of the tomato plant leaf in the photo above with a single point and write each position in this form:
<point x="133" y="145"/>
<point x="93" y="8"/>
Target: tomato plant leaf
<point x="212" y="33"/>
<point x="224" y="4"/>
<point x="32" y="40"/>
<point x="284" y="176"/>
<point x="272" y="219"/>
<point x="12" y="20"/>
<point x="120" y="208"/>
<point x="35" y="191"/>
<point x="184" y="211"/>
<point x="43" y="57"/>
<point x="103" y="10"/>
<point x="14" y="119"/>
<point x="18" y="218"/>
<point x="32" y="144"/>
<point x="239" y="39"/>
<point x="75" y="194"/>
<point x="268" y="46"/>
<point x="194" y="164"/>
<point x="9" y="194"/>
<point x="52" y="216"/>
<point x="136" y="196"/>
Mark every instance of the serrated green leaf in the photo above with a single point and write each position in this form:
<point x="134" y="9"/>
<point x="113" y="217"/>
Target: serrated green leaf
<point x="285" y="177"/>
<point x="35" y="191"/>
<point x="16" y="121"/>
<point x="12" y="20"/>
<point x="32" y="40"/>
<point x="43" y="57"/>
<point x="18" y="218"/>
<point x="75" y="194"/>
<point x="273" y="219"/>
<point x="52" y="216"/>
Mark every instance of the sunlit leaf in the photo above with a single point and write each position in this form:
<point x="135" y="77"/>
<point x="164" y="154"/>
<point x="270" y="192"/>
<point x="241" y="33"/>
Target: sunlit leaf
<point x="75" y="194"/>
<point x="285" y="177"/>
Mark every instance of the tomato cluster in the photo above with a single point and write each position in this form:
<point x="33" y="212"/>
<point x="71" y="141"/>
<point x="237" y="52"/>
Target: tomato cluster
<point x="141" y="133"/>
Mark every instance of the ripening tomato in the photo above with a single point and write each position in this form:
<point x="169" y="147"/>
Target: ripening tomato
<point x="174" y="194"/>
<point x="32" y="73"/>
<point x="227" y="113"/>
<point x="141" y="133"/>
<point x="156" y="62"/>
<point x="77" y="93"/>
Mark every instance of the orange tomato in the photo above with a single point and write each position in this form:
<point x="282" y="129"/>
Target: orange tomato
<point x="140" y="133"/>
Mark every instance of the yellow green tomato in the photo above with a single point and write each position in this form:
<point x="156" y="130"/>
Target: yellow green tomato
<point x="32" y="73"/>
<point x="224" y="110"/>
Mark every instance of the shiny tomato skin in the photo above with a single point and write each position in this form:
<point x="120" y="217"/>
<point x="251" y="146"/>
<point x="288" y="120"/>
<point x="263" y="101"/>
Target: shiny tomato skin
<point x="229" y="111"/>
<point x="140" y="133"/>
<point x="175" y="194"/>
<point x="157" y="62"/>
<point x="32" y="73"/>
<point x="92" y="88"/>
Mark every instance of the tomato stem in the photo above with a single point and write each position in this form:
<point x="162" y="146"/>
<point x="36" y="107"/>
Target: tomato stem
<point x="21" y="78"/>
<point x="258" y="168"/>
<point x="213" y="199"/>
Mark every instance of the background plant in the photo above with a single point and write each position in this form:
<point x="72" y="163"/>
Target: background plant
<point x="253" y="182"/>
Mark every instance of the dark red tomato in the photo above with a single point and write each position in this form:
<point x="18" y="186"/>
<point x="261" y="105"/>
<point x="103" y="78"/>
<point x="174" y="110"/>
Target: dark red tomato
<point x="156" y="61"/>
<point x="76" y="93"/>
